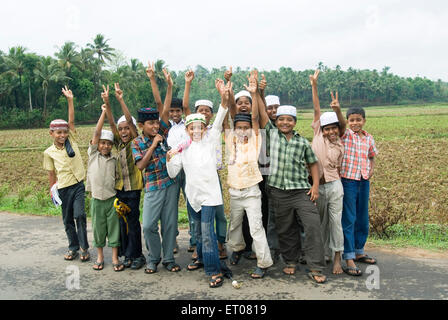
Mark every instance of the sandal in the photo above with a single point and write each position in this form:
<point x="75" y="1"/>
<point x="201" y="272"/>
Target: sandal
<point x="195" y="266"/>
<point x="216" y="282"/>
<point x="191" y="248"/>
<point x="222" y="251"/>
<point x="85" y="255"/>
<point x="71" y="255"/>
<point x="171" y="266"/>
<point x="250" y="255"/>
<point x="290" y="266"/>
<point x="312" y="275"/>
<point x="258" y="273"/>
<point x="99" y="266"/>
<point x="118" y="267"/>
<point x="151" y="268"/>
<point x="127" y="262"/>
<point x="235" y="257"/>
<point x="352" y="271"/>
<point x="364" y="259"/>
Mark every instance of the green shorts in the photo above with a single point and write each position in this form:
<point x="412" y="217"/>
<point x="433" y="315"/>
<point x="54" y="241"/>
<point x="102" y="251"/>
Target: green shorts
<point x="105" y="223"/>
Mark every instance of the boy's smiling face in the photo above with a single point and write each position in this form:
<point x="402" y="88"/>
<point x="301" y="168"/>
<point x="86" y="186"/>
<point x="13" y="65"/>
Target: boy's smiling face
<point x="105" y="147"/>
<point x="124" y="130"/>
<point x="285" y="123"/>
<point x="195" y="130"/>
<point x="243" y="105"/>
<point x="356" y="122"/>
<point x="331" y="132"/>
<point x="205" y="110"/>
<point x="150" y="128"/>
<point x="175" y="114"/>
<point x="59" y="137"/>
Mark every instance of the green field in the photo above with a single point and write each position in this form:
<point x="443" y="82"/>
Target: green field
<point x="409" y="187"/>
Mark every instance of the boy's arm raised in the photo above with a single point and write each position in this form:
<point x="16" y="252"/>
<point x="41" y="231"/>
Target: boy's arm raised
<point x="150" y="71"/>
<point x="99" y="126"/>
<point x="252" y="88"/>
<point x="189" y="76"/>
<point x="165" y="115"/>
<point x="337" y="108"/>
<point x="71" y="108"/>
<point x="110" y="117"/>
<point x="316" y="104"/>
<point x="124" y="108"/>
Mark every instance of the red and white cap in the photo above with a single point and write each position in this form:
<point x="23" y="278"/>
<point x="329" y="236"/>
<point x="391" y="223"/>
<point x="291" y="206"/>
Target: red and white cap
<point x="58" y="124"/>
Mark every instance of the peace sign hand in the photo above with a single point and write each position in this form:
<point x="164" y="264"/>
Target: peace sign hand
<point x="335" y="102"/>
<point x="150" y="71"/>
<point x="105" y="95"/>
<point x="118" y="91"/>
<point x="168" y="78"/>
<point x="67" y="93"/>
<point x="313" y="78"/>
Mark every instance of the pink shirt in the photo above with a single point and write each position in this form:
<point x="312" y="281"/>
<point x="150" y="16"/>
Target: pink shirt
<point x="328" y="153"/>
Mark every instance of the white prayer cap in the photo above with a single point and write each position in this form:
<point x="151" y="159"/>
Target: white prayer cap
<point x="272" y="100"/>
<point x="328" y="118"/>
<point x="123" y="119"/>
<point x="243" y="93"/>
<point x="194" y="117"/>
<point x="287" y="111"/>
<point x="207" y="103"/>
<point x="107" y="135"/>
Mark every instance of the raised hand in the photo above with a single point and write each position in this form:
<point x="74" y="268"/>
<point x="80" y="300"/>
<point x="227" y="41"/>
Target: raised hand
<point x="220" y="86"/>
<point x="313" y="78"/>
<point x="252" y="88"/>
<point x="228" y="74"/>
<point x="118" y="91"/>
<point x="150" y="71"/>
<point x="189" y="76"/>
<point x="105" y="94"/>
<point x="335" y="102"/>
<point x="226" y="94"/>
<point x="263" y="83"/>
<point x="167" y="76"/>
<point x="67" y="93"/>
<point x="103" y="108"/>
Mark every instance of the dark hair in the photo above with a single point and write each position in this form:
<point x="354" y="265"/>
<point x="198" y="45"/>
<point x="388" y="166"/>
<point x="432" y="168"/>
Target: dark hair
<point x="356" y="110"/>
<point x="242" y="117"/>
<point x="176" y="103"/>
<point x="250" y="99"/>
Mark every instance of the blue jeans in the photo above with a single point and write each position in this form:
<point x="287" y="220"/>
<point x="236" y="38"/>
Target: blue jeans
<point x="355" y="216"/>
<point x="206" y="242"/>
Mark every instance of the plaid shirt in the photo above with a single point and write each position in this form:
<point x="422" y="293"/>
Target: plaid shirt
<point x="288" y="160"/>
<point x="357" y="154"/>
<point x="155" y="176"/>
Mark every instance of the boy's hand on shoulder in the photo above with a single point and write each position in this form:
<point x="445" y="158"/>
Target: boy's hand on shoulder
<point x="118" y="92"/>
<point x="67" y="93"/>
<point x="313" y="78"/>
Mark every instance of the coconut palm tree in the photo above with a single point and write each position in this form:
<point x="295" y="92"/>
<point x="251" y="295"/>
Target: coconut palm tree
<point x="14" y="68"/>
<point x="101" y="48"/>
<point x="68" y="56"/>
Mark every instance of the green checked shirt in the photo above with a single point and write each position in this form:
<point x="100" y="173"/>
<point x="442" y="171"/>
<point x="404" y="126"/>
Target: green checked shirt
<point x="288" y="160"/>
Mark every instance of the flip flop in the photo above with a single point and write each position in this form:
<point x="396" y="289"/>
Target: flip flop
<point x="364" y="259"/>
<point x="258" y="273"/>
<point x="172" y="267"/>
<point x="85" y="256"/>
<point x="348" y="270"/>
<point x="118" y="267"/>
<point x="216" y="282"/>
<point x="151" y="268"/>
<point x="235" y="257"/>
<point x="312" y="275"/>
<point x="99" y="266"/>
<point x="195" y="266"/>
<point x="289" y="267"/>
<point x="71" y="255"/>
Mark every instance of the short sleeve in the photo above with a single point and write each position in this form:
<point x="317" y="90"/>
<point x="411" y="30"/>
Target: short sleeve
<point x="136" y="151"/>
<point x="48" y="162"/>
<point x="310" y="156"/>
<point x="373" y="152"/>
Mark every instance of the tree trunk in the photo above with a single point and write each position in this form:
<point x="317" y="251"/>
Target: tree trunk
<point x="29" y="96"/>
<point x="45" y="104"/>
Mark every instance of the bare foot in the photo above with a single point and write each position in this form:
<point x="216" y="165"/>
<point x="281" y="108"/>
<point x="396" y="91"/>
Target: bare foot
<point x="337" y="267"/>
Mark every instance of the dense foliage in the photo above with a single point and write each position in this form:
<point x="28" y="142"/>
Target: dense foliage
<point x="30" y="85"/>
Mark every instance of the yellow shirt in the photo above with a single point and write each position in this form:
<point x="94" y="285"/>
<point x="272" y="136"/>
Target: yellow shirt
<point x="243" y="171"/>
<point x="69" y="171"/>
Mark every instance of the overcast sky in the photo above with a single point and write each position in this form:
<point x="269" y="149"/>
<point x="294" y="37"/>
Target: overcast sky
<point x="411" y="37"/>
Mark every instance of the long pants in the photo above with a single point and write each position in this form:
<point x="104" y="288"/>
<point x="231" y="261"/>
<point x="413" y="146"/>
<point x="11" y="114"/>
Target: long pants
<point x="291" y="205"/>
<point x="131" y="241"/>
<point x="329" y="204"/>
<point x="160" y="205"/>
<point x="105" y="223"/>
<point x="181" y="186"/>
<point x="206" y="241"/>
<point x="74" y="216"/>
<point x="355" y="216"/>
<point x="248" y="201"/>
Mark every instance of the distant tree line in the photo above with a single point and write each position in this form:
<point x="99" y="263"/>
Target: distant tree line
<point x="30" y="84"/>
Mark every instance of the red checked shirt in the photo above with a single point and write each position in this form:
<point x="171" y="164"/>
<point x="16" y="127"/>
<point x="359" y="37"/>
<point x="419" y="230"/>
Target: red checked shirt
<point x="357" y="151"/>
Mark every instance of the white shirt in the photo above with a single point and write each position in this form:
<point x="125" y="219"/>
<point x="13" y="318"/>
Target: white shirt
<point x="177" y="133"/>
<point x="199" y="164"/>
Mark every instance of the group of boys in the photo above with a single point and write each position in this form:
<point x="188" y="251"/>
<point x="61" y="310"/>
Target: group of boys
<point x="340" y="162"/>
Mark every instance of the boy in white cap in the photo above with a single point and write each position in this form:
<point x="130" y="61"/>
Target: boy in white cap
<point x="327" y="145"/>
<point x="65" y="168"/>
<point x="129" y="181"/>
<point x="101" y="183"/>
<point x="291" y="194"/>
<point x="272" y="103"/>
<point x="202" y="187"/>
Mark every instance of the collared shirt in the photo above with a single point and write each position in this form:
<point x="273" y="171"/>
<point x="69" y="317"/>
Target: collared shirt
<point x="242" y="158"/>
<point x="129" y="177"/>
<point x="100" y="174"/>
<point x="288" y="168"/>
<point x="177" y="133"/>
<point x="328" y="153"/>
<point x="69" y="171"/>
<point x="155" y="176"/>
<point x="357" y="154"/>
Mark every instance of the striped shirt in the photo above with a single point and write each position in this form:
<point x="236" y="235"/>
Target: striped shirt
<point x="288" y="159"/>
<point x="129" y="177"/>
<point x="357" y="154"/>
<point x="155" y="176"/>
